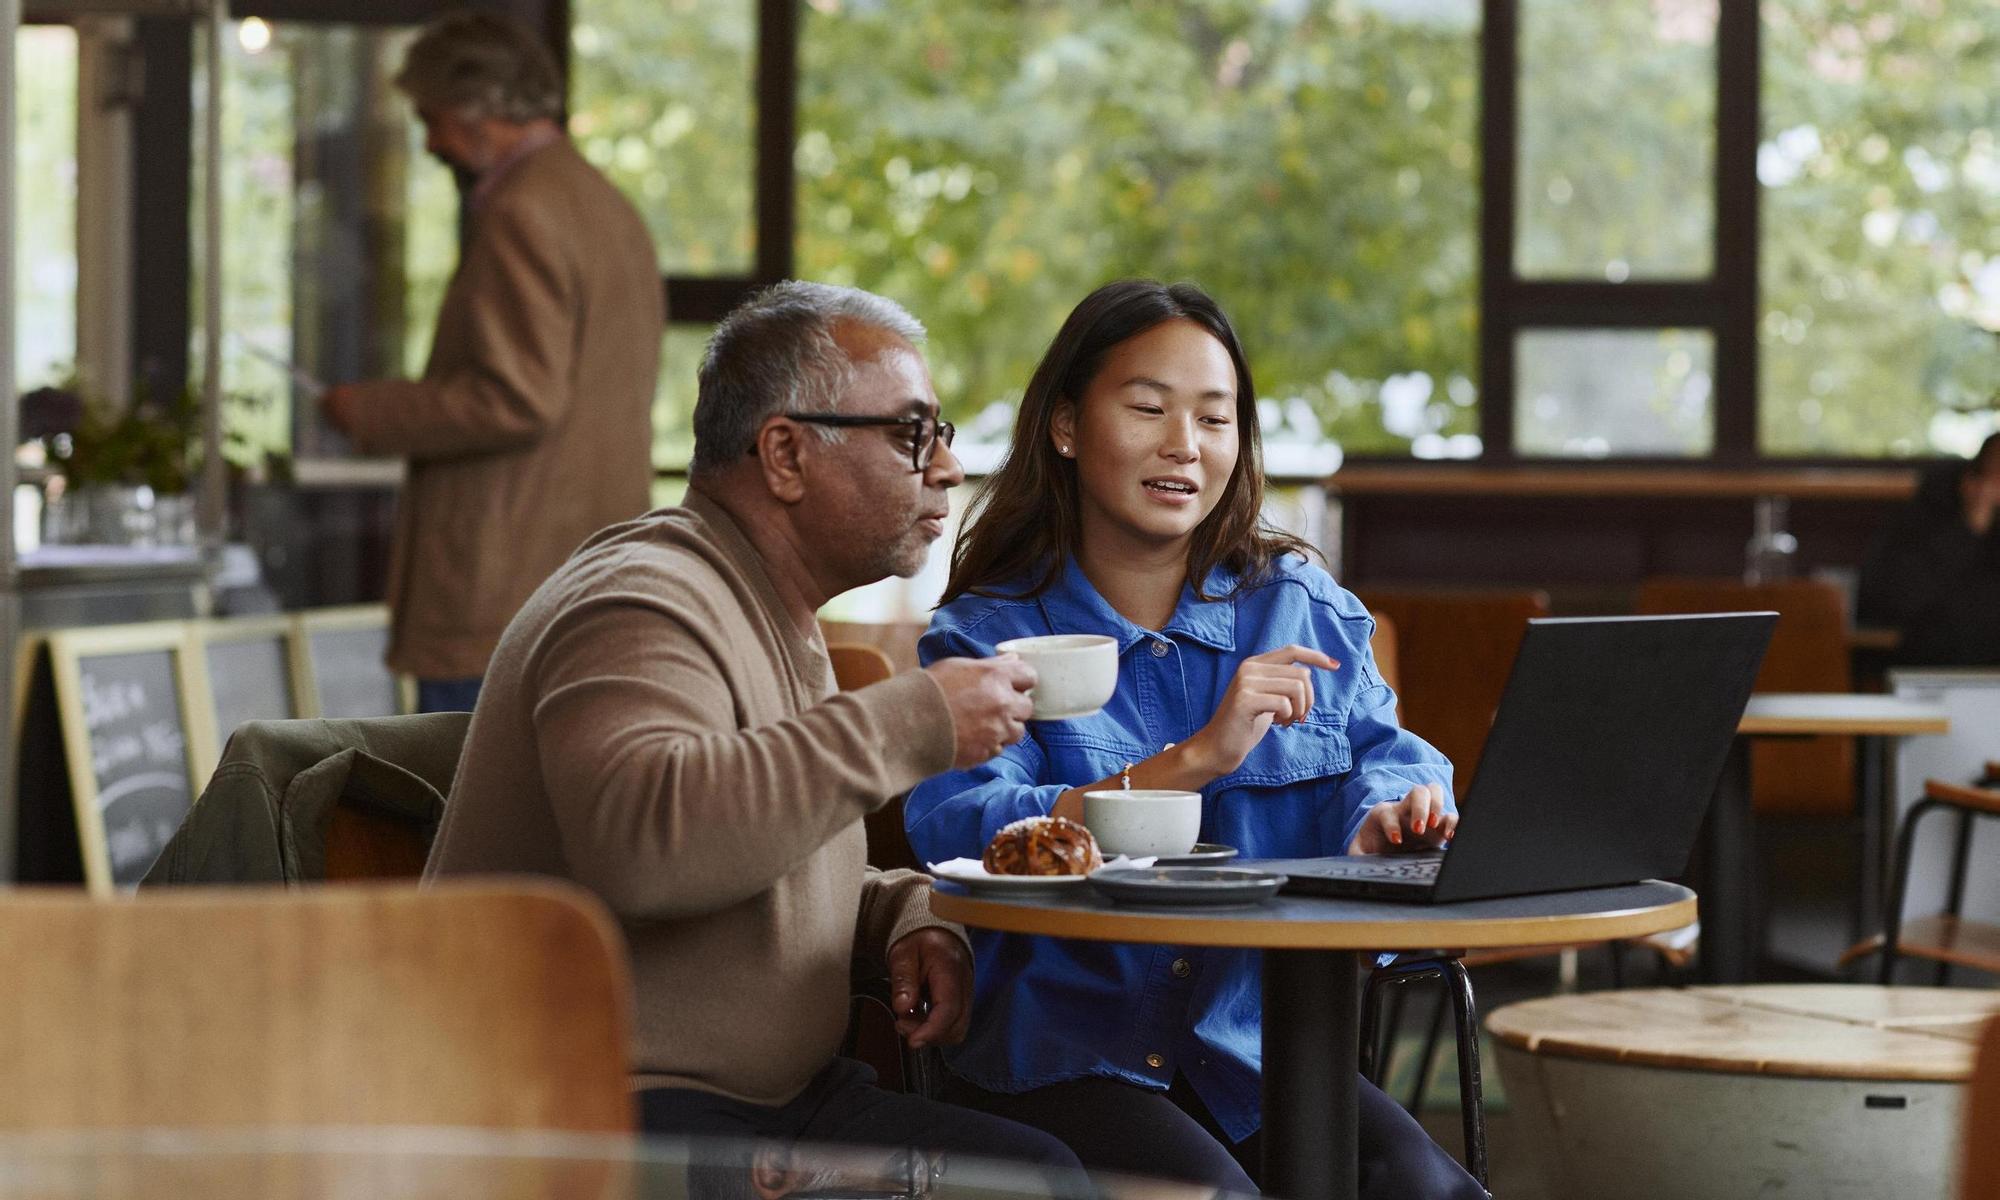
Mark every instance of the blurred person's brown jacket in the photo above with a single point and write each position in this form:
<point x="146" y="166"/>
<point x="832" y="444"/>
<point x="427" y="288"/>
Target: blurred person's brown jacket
<point x="531" y="427"/>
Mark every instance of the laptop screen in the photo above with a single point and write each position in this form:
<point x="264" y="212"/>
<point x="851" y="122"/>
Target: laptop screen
<point x="1606" y="747"/>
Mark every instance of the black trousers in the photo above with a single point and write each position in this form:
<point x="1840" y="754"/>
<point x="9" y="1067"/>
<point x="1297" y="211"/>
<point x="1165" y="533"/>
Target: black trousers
<point x="1119" y="1127"/>
<point x="843" y="1107"/>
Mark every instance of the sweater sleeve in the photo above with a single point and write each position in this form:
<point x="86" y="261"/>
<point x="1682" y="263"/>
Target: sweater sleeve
<point x="665" y="808"/>
<point x="894" y="904"/>
<point x="517" y="307"/>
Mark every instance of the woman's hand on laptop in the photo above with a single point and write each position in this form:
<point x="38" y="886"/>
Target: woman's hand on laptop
<point x="1419" y="821"/>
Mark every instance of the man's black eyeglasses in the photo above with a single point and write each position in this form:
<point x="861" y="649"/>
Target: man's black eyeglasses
<point x="925" y="432"/>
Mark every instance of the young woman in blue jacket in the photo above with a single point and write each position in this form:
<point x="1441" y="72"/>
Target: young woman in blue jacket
<point x="1129" y="505"/>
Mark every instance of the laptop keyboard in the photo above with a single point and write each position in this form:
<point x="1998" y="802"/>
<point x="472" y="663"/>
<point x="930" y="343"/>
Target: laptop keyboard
<point x="1421" y="870"/>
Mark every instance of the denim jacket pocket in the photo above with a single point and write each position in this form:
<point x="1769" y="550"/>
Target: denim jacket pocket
<point x="1079" y="752"/>
<point x="1289" y="753"/>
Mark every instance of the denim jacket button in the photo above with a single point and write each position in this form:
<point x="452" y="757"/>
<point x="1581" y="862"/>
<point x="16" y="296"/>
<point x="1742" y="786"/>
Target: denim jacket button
<point x="1159" y="649"/>
<point x="1155" y="1061"/>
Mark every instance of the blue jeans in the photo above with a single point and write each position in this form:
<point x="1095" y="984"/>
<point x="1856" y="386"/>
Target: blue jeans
<point x="447" y="695"/>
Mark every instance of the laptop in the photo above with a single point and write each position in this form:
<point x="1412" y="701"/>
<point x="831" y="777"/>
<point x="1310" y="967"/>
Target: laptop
<point x="1604" y="752"/>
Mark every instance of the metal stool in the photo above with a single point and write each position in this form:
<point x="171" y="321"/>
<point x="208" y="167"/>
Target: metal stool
<point x="1946" y="938"/>
<point x="1376" y="1051"/>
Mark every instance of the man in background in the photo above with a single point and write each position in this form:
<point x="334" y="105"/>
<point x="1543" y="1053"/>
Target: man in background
<point x="531" y="426"/>
<point x="1935" y="575"/>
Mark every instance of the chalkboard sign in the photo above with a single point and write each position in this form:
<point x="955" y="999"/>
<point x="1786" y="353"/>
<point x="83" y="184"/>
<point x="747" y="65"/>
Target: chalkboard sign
<point x="249" y="667"/>
<point x="339" y="656"/>
<point x="125" y="694"/>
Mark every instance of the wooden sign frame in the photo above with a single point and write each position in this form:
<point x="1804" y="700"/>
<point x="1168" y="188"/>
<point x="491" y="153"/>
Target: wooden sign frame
<point x="310" y="621"/>
<point x="67" y="650"/>
<point x="210" y="632"/>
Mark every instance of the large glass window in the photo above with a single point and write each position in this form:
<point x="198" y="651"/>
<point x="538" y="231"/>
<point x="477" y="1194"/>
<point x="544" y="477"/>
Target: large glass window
<point x="1312" y="165"/>
<point x="44" y="205"/>
<point x="340" y="234"/>
<point x="1615" y="178"/>
<point x="673" y="404"/>
<point x="1596" y="393"/>
<point x="1880" y="271"/>
<point x="661" y="101"/>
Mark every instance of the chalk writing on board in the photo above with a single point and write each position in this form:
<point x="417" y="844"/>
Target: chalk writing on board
<point x="138" y="754"/>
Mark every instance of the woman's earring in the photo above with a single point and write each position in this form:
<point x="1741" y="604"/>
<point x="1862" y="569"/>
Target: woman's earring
<point x="1063" y="449"/>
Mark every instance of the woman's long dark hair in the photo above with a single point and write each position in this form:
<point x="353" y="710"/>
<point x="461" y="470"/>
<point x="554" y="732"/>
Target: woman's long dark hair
<point x="1025" y="523"/>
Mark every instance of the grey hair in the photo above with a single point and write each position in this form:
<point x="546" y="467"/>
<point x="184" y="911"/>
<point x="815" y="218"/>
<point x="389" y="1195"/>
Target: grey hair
<point x="484" y="65"/>
<point x="775" y="353"/>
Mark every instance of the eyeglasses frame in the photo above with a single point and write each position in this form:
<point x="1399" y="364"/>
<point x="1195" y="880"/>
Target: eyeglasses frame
<point x="922" y="449"/>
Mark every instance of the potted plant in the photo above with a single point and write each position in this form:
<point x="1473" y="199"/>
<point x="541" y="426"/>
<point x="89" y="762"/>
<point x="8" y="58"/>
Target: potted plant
<point x="124" y="476"/>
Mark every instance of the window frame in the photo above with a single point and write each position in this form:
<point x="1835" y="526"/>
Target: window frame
<point x="1724" y="303"/>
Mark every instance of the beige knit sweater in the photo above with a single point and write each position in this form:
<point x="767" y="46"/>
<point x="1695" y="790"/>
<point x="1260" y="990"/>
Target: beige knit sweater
<point x="655" y="727"/>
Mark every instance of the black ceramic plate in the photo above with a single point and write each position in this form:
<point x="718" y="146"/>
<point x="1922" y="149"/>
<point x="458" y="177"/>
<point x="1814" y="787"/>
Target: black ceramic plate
<point x="1187" y="885"/>
<point x="1203" y="854"/>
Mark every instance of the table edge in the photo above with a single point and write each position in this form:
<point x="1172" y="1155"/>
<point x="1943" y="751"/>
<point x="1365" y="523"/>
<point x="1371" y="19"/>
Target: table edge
<point x="1190" y="928"/>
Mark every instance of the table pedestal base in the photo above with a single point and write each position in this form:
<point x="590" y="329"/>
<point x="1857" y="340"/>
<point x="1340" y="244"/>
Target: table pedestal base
<point x="1312" y="1036"/>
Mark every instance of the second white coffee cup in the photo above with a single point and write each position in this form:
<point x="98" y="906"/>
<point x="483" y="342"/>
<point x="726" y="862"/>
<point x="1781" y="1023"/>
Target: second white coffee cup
<point x="1141" y="821"/>
<point x="1075" y="673"/>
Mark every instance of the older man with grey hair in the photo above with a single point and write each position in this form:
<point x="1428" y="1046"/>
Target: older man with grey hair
<point x="660" y="724"/>
<point x="531" y="426"/>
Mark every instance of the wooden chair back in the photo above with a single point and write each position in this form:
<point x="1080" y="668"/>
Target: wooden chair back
<point x="856" y="665"/>
<point x="362" y="843"/>
<point x="472" y="1005"/>
<point x="897" y="639"/>
<point x="1979" y="1164"/>
<point x="1383" y="646"/>
<point x="1453" y="652"/>
<point x="1808" y="653"/>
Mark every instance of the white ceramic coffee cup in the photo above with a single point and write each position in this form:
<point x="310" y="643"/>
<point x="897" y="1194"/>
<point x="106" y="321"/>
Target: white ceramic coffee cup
<point x="1140" y="822"/>
<point x="1075" y="673"/>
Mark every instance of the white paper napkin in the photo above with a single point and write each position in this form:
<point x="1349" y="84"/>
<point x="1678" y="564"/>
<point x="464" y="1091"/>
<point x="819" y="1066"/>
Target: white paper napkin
<point x="972" y="866"/>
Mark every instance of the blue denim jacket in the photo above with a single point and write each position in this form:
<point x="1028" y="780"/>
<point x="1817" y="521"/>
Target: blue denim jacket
<point x="1049" y="1009"/>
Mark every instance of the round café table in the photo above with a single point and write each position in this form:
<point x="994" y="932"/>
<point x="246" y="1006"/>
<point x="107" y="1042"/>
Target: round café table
<point x="1313" y="955"/>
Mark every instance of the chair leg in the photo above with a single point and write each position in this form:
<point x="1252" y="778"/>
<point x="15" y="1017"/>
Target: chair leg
<point x="1471" y="1105"/>
<point x="1381" y="1019"/>
<point x="1372" y="1053"/>
<point x="1428" y="1058"/>
<point x="1954" y="902"/>
<point x="1892" y="908"/>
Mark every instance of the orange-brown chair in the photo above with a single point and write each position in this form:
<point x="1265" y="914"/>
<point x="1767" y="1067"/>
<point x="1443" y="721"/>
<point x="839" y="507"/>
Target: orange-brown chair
<point x="478" y="1005"/>
<point x="1453" y="650"/>
<point x="1808" y="653"/>
<point x="1979" y="1164"/>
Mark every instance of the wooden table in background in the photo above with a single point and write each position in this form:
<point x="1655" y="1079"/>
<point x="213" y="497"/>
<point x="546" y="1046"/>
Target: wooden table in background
<point x="1313" y="958"/>
<point x="1727" y="880"/>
